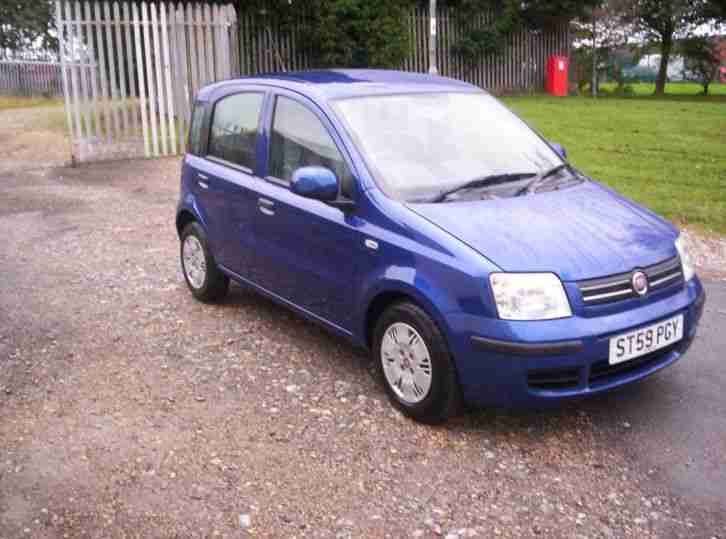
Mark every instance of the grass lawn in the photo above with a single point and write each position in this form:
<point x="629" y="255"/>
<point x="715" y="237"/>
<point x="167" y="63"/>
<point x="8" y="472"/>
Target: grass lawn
<point x="12" y="102"/>
<point x="668" y="154"/>
<point x="672" y="88"/>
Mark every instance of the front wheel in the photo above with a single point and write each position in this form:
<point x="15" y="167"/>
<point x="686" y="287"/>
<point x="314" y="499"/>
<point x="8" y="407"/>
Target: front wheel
<point x="417" y="368"/>
<point x="205" y="280"/>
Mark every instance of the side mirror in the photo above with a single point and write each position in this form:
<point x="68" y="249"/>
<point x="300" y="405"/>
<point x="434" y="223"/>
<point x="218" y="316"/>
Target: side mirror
<point x="319" y="183"/>
<point x="559" y="149"/>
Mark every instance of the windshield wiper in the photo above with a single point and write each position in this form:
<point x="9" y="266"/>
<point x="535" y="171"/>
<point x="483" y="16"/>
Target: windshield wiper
<point x="481" y="181"/>
<point x="535" y="184"/>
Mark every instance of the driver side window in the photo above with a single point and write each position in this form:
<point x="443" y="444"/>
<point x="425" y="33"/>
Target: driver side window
<point x="299" y="139"/>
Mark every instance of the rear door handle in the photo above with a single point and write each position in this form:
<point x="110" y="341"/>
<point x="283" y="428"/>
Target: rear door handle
<point x="202" y="181"/>
<point x="266" y="206"/>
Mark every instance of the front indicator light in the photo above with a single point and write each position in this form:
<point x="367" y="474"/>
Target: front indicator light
<point x="684" y="252"/>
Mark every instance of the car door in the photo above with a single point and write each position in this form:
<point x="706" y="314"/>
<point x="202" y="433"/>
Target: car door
<point x="228" y="175"/>
<point x="306" y="249"/>
<point x="196" y="179"/>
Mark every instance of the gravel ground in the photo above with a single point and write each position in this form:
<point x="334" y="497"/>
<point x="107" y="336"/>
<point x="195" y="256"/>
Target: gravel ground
<point x="709" y="254"/>
<point x="130" y="410"/>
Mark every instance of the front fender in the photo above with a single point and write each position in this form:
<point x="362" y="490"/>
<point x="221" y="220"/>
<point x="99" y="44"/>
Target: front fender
<point x="410" y="282"/>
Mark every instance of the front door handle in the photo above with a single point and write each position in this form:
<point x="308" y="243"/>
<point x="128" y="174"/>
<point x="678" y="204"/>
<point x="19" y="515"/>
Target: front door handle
<point x="266" y="206"/>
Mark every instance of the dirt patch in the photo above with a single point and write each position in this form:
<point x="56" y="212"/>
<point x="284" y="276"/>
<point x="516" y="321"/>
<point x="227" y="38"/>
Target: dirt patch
<point x="33" y="138"/>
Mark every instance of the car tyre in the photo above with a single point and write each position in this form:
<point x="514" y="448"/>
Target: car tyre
<point x="204" y="278"/>
<point x="408" y="345"/>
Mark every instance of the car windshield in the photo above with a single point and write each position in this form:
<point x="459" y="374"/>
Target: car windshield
<point x="420" y="145"/>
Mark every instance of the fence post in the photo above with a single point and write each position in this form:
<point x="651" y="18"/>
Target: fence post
<point x="234" y="41"/>
<point x="208" y="29"/>
<point x="125" y="118"/>
<point x="82" y="57"/>
<point x="183" y="66"/>
<point x="167" y="75"/>
<point x="199" y="33"/>
<point x="77" y="133"/>
<point x="174" y="61"/>
<point x="130" y="66"/>
<point x="142" y="81"/>
<point x="104" y="101"/>
<point x="433" y="69"/>
<point x="113" y="86"/>
<point x="222" y="29"/>
<point x="159" y="77"/>
<point x="64" y="75"/>
<point x="94" y="74"/>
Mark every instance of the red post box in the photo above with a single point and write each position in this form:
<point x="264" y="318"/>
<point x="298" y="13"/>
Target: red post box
<point x="556" y="77"/>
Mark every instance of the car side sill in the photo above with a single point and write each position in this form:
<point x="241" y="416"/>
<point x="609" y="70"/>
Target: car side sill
<point x="527" y="349"/>
<point x="287" y="303"/>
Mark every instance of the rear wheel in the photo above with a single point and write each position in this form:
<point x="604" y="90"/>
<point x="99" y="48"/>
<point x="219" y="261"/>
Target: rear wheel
<point x="205" y="280"/>
<point x="417" y="369"/>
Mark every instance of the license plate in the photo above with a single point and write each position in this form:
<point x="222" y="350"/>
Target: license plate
<point x="645" y="340"/>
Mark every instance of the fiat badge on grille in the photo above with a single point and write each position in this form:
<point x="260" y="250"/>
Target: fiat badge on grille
<point x="640" y="283"/>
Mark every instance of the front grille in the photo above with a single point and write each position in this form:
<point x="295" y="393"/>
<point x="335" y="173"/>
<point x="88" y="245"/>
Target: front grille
<point x="665" y="274"/>
<point x="602" y="372"/>
<point x="619" y="287"/>
<point x="554" y="379"/>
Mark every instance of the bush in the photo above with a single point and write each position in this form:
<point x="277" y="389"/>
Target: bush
<point x="337" y="33"/>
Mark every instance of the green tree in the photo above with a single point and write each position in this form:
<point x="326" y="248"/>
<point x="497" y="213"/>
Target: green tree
<point x="701" y="60"/>
<point x="26" y="22"/>
<point x="541" y="13"/>
<point x="358" y="33"/>
<point x="511" y="15"/>
<point x="477" y="41"/>
<point x="662" y="21"/>
<point x="716" y="9"/>
<point x="600" y="37"/>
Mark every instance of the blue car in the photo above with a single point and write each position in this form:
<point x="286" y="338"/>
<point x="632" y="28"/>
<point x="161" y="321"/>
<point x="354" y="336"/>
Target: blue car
<point x="422" y="220"/>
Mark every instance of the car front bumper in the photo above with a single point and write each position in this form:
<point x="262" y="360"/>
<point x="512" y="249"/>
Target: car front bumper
<point x="531" y="364"/>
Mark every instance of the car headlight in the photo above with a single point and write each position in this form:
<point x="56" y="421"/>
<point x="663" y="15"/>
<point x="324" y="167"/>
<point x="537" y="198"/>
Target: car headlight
<point x="529" y="296"/>
<point x="689" y="270"/>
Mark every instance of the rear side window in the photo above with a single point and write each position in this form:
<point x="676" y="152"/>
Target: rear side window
<point x="195" y="130"/>
<point x="299" y="139"/>
<point x="233" y="133"/>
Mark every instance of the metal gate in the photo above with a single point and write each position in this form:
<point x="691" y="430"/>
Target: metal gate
<point x="147" y="61"/>
<point x="30" y="73"/>
<point x="130" y="69"/>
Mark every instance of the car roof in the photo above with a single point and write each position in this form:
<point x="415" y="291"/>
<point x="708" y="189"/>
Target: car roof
<point x="338" y="83"/>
